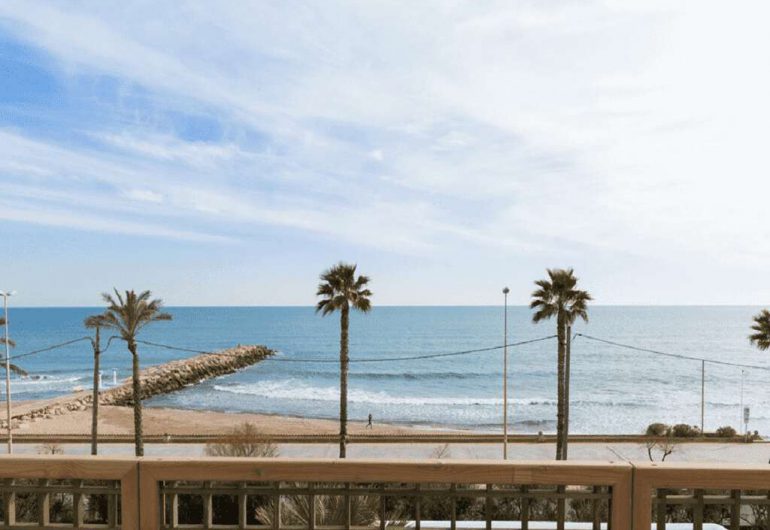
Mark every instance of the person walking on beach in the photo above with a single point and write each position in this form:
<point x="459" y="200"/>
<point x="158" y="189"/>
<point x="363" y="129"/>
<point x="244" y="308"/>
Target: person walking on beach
<point x="369" y="425"/>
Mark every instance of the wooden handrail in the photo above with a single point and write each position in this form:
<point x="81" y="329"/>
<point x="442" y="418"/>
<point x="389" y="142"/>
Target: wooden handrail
<point x="631" y="488"/>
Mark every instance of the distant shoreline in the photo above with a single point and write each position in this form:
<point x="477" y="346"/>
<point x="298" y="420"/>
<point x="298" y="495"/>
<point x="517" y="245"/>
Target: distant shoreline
<point x="162" y="425"/>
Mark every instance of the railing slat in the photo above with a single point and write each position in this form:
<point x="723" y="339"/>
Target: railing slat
<point x="208" y="499"/>
<point x="347" y="506"/>
<point x="383" y="514"/>
<point x="698" y="510"/>
<point x="596" y="510"/>
<point x="735" y="510"/>
<point x="78" y="504"/>
<point x="311" y="507"/>
<point x="9" y="504"/>
<point x="44" y="507"/>
<point x="661" y="522"/>
<point x="277" y="507"/>
<point x="243" y="505"/>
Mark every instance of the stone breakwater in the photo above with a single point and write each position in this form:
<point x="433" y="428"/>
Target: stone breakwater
<point x="156" y="380"/>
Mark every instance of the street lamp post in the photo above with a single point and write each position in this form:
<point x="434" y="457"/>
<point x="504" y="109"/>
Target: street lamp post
<point x="505" y="373"/>
<point x="5" y="295"/>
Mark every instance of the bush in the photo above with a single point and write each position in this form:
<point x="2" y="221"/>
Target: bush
<point x="726" y="432"/>
<point x="682" y="430"/>
<point x="657" y="429"/>
<point x="50" y="448"/>
<point x="243" y="440"/>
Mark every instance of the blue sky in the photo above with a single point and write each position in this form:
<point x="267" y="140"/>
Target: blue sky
<point x="227" y="155"/>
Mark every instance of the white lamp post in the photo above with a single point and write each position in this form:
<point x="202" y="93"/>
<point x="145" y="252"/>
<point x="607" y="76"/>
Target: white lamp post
<point x="5" y="295"/>
<point x="505" y="373"/>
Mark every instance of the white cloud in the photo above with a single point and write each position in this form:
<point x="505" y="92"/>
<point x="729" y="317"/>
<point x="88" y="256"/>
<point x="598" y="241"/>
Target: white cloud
<point x="143" y="195"/>
<point x="69" y="218"/>
<point x="621" y="126"/>
<point x="169" y="148"/>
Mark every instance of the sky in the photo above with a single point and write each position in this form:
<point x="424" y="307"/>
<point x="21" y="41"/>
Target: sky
<point x="227" y="153"/>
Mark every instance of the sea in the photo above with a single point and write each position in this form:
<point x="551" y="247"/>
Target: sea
<point x="613" y="389"/>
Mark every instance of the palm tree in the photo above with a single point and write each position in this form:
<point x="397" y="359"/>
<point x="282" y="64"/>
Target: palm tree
<point x="557" y="296"/>
<point x="95" y="322"/>
<point x="15" y="369"/>
<point x="341" y="290"/>
<point x="128" y="314"/>
<point x="761" y="326"/>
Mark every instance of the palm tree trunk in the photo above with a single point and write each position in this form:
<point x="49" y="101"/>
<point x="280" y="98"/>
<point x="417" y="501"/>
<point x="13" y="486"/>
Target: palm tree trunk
<point x="568" y="349"/>
<point x="137" y="388"/>
<point x="560" y="332"/>
<point x="95" y="400"/>
<point x="344" y="323"/>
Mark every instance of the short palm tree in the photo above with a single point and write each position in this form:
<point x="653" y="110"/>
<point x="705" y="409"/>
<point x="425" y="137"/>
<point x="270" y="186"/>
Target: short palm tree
<point x="761" y="327"/>
<point x="11" y="344"/>
<point x="128" y="314"/>
<point x="342" y="290"/>
<point x="558" y="297"/>
<point x="95" y="322"/>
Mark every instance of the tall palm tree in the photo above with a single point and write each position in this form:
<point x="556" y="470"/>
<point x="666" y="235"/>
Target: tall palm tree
<point x="761" y="336"/>
<point x="341" y="291"/>
<point x="95" y="322"/>
<point x="558" y="297"/>
<point x="128" y="314"/>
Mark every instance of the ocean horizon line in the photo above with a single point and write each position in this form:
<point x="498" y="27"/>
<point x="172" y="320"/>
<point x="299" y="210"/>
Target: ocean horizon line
<point x="459" y="306"/>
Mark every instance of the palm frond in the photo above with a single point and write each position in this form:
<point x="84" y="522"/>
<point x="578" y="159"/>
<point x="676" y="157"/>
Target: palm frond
<point x="16" y="369"/>
<point x="95" y="321"/>
<point x="340" y="288"/>
<point x="761" y="327"/>
<point x="558" y="296"/>
<point x="129" y="313"/>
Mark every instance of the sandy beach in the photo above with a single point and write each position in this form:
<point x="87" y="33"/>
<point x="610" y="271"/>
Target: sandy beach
<point x="160" y="421"/>
<point x="119" y="420"/>
<point x="177" y="422"/>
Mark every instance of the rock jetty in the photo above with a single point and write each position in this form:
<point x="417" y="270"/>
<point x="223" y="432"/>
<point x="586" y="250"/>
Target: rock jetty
<point x="156" y="380"/>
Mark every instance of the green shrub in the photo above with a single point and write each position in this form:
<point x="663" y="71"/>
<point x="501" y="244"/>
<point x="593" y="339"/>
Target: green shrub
<point x="682" y="430"/>
<point x="726" y="432"/>
<point x="657" y="429"/>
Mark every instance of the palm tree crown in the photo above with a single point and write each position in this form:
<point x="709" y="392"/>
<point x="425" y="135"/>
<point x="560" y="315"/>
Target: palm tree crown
<point x="341" y="289"/>
<point x="95" y="321"/>
<point x="761" y="336"/>
<point x="559" y="296"/>
<point x="129" y="313"/>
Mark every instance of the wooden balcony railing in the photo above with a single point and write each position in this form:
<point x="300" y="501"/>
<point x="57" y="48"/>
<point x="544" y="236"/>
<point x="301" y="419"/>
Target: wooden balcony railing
<point x="46" y="492"/>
